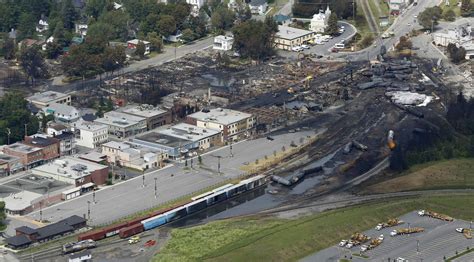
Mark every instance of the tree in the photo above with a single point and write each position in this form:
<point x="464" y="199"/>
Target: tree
<point x="113" y="58"/>
<point x="33" y="64"/>
<point x="254" y="39"/>
<point x="307" y="8"/>
<point x="140" y="50"/>
<point x="242" y="12"/>
<point x="26" y="25"/>
<point x="457" y="54"/>
<point x="53" y="50"/>
<point x="222" y="19"/>
<point x="100" y="30"/>
<point x="3" y="226"/>
<point x="403" y="43"/>
<point x="449" y="15"/>
<point x="59" y="35"/>
<point x="95" y="8"/>
<point x="429" y="17"/>
<point x="117" y="22"/>
<point x="467" y="8"/>
<point x="166" y="25"/>
<point x="9" y="49"/>
<point x="188" y="35"/>
<point x="14" y="114"/>
<point x="332" y="27"/>
<point x="68" y="14"/>
<point x="156" y="42"/>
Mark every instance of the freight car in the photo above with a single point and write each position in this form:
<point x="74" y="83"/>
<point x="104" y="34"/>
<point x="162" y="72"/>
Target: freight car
<point x="78" y="246"/>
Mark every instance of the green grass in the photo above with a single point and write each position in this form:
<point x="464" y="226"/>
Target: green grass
<point x="445" y="174"/>
<point x="375" y="11"/>
<point x="271" y="239"/>
<point x="460" y="255"/>
<point x="453" y="6"/>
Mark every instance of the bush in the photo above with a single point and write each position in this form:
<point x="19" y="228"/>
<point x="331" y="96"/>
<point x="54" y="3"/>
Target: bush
<point x="366" y="41"/>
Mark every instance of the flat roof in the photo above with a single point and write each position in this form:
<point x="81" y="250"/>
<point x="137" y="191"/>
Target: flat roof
<point x="41" y="140"/>
<point x="135" y="41"/>
<point x="46" y="97"/>
<point x="221" y="116"/>
<point x="116" y="145"/>
<point x="188" y="132"/>
<point x="19" y="147"/>
<point x="90" y="126"/>
<point x="119" y="119"/>
<point x="21" y="200"/>
<point x="8" y="158"/>
<point x="289" y="33"/>
<point x="142" y="110"/>
<point x="163" y="139"/>
<point x="93" y="156"/>
<point x="69" y="167"/>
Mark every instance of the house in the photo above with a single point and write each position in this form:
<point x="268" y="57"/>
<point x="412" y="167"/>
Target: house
<point x="222" y="42"/>
<point x="55" y="129"/>
<point x="62" y="112"/>
<point x="90" y="134"/>
<point x="258" y="6"/>
<point x="132" y="44"/>
<point x="154" y="116"/>
<point x="74" y="171"/>
<point x="288" y="37"/>
<point x="81" y="29"/>
<point x="384" y="21"/>
<point x="196" y="5"/>
<point x="319" y="22"/>
<point x="233" y="124"/>
<point x="42" y="25"/>
<point x="49" y="145"/>
<point x="10" y="165"/>
<point x="397" y="6"/>
<point x="123" y="125"/>
<point x="135" y="157"/>
<point x="43" y="99"/>
<point x="174" y="38"/>
<point x="27" y="43"/>
<point x="461" y="34"/>
<point x="83" y="256"/>
<point x="67" y="143"/>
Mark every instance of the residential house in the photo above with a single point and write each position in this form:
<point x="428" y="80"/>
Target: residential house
<point x="81" y="29"/>
<point x="196" y="6"/>
<point x="62" y="112"/>
<point x="288" y="37"/>
<point x="42" y="25"/>
<point x="132" y="44"/>
<point x="258" y="7"/>
<point x="90" y="134"/>
<point x="319" y="22"/>
<point x="222" y="42"/>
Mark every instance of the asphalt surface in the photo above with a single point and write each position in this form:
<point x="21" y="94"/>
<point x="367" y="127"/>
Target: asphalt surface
<point x="438" y="240"/>
<point x="129" y="197"/>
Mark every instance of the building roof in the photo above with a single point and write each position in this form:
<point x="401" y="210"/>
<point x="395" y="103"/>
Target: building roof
<point x="65" y="135"/>
<point x="257" y="2"/>
<point x="73" y="220"/>
<point x="93" y="156"/>
<point x="18" y="241"/>
<point x="46" y="97"/>
<point x="57" y="127"/>
<point x="89" y="126"/>
<point x="290" y="33"/>
<point x="85" y="253"/>
<point x="52" y="230"/>
<point x="40" y="140"/>
<point x="281" y="18"/>
<point x="22" y="148"/>
<point x="119" y="119"/>
<point x="136" y="41"/>
<point x="61" y="109"/>
<point x="221" y="116"/>
<point x="20" y="201"/>
<point x="188" y="132"/>
<point x="70" y="167"/>
<point x="8" y="158"/>
<point x="162" y="139"/>
<point x="142" y="110"/>
<point x="26" y="230"/>
<point x="223" y="38"/>
<point x="116" y="145"/>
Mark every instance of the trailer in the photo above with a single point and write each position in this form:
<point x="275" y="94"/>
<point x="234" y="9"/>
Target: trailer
<point x="435" y="215"/>
<point x="357" y="239"/>
<point x="467" y="232"/>
<point x="390" y="223"/>
<point x="407" y="231"/>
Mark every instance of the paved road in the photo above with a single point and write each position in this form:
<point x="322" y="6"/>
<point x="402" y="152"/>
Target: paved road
<point x="130" y="196"/>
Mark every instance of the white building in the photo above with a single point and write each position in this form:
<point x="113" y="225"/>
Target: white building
<point x="222" y="42"/>
<point x="132" y="44"/>
<point x="233" y="124"/>
<point x="136" y="157"/>
<point x="43" y="99"/>
<point x="462" y="34"/>
<point x="81" y="29"/>
<point x="42" y="25"/>
<point x="123" y="124"/>
<point x="90" y="134"/>
<point x="62" y="112"/>
<point x="201" y="137"/>
<point x="155" y="117"/>
<point x="258" y="6"/>
<point x="396" y="6"/>
<point x="319" y="22"/>
<point x="196" y="5"/>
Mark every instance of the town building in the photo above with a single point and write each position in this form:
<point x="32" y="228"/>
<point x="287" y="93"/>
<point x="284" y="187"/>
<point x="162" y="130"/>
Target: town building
<point x="81" y="29"/>
<point x="154" y="116"/>
<point x="30" y="156"/>
<point x="196" y="5"/>
<point x="20" y="203"/>
<point x="49" y="145"/>
<point x="233" y="124"/>
<point x="222" y="42"/>
<point x="319" y="22"/>
<point x="258" y="6"/>
<point x="174" y="147"/>
<point x="123" y="125"/>
<point x="44" y="99"/>
<point x="384" y="21"/>
<point x="42" y="25"/>
<point x="62" y="112"/>
<point x="461" y="34"/>
<point x="397" y="6"/>
<point x="74" y="171"/>
<point x="54" y="129"/>
<point x="90" y="134"/>
<point x="288" y="37"/>
<point x="67" y="143"/>
<point x="132" y="44"/>
<point x="9" y="165"/>
<point x="83" y="256"/>
<point x="135" y="157"/>
<point x="202" y="138"/>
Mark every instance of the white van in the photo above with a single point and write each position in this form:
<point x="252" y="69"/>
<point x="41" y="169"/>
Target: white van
<point x="340" y="46"/>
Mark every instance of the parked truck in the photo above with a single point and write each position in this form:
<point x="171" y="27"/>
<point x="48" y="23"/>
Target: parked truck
<point x="390" y="223"/>
<point x="373" y="244"/>
<point x="435" y="215"/>
<point x="405" y="231"/>
<point x="78" y="246"/>
<point x="467" y="232"/>
<point x="357" y="239"/>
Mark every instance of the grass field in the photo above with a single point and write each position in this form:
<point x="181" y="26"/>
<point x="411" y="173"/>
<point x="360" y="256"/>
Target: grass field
<point x="452" y="5"/>
<point x="455" y="173"/>
<point x="269" y="239"/>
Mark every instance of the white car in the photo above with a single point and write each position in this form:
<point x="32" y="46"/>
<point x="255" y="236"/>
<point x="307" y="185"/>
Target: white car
<point x="364" y="248"/>
<point x="379" y="227"/>
<point x="297" y="49"/>
<point x="393" y="233"/>
<point x="381" y="237"/>
<point x="342" y="243"/>
<point x="342" y="27"/>
<point x="401" y="259"/>
<point x="305" y="46"/>
<point x="409" y="24"/>
<point x="415" y="16"/>
<point x="350" y="244"/>
<point x="459" y="229"/>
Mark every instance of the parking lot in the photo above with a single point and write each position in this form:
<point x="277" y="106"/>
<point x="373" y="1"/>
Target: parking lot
<point x="439" y="240"/>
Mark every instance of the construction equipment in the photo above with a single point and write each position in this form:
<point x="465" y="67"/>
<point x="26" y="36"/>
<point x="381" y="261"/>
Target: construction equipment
<point x="435" y="215"/>
<point x="357" y="239"/>
<point x="390" y="223"/>
<point x="390" y="142"/>
<point x="373" y="244"/>
<point x="467" y="232"/>
<point x="405" y="231"/>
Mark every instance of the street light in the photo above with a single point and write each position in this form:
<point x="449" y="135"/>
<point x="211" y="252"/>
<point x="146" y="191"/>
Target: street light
<point x="155" y="187"/>
<point x="8" y="135"/>
<point x="88" y="210"/>
<point x="93" y="197"/>
<point x="143" y="178"/>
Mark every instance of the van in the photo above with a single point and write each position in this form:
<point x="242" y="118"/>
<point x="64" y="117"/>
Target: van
<point x="340" y="46"/>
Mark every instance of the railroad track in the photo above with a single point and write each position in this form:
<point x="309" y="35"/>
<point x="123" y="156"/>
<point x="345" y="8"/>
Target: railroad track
<point x="369" y="16"/>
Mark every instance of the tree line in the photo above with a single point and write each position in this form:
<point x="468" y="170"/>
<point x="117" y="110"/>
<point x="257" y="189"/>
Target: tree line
<point x="307" y="8"/>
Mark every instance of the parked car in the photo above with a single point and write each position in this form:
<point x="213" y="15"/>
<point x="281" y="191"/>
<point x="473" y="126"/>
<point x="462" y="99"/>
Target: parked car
<point x="297" y="49"/>
<point x="305" y="46"/>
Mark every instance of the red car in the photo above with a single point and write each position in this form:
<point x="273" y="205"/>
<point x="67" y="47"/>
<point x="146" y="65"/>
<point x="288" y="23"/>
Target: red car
<point x="150" y="243"/>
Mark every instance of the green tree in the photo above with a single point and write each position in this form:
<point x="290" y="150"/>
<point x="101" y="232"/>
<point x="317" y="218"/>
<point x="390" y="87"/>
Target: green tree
<point x="166" y="25"/>
<point x="26" y="25"/>
<point x="254" y="39"/>
<point x="59" y="35"/>
<point x="366" y="41"/>
<point x="457" y="54"/>
<point x="404" y="43"/>
<point x="95" y="8"/>
<point x="140" y="50"/>
<point x="467" y="8"/>
<point x="33" y="64"/>
<point x="332" y="27"/>
<point x="53" y="50"/>
<point x="113" y="58"/>
<point x="118" y="22"/>
<point x="449" y="15"/>
<point x="3" y="226"/>
<point x="68" y="14"/>
<point x="9" y="49"/>
<point x="149" y="24"/>
<point x="188" y="35"/>
<point x="100" y="30"/>
<point x="222" y="19"/>
<point x="429" y="17"/>
<point x="156" y="42"/>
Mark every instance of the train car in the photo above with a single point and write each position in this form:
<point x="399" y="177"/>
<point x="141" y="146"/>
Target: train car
<point x="78" y="246"/>
<point x="93" y="235"/>
<point x="131" y="230"/>
<point x="196" y="205"/>
<point x="236" y="190"/>
<point x="176" y="213"/>
<point x="114" y="229"/>
<point x="216" y="197"/>
<point x="153" y="222"/>
<point x="138" y="220"/>
<point x="206" y="194"/>
<point x="254" y="182"/>
<point x="161" y="211"/>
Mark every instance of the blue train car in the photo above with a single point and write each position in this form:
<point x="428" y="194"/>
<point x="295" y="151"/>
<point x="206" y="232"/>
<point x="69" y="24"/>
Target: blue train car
<point x="235" y="190"/>
<point x="155" y="221"/>
<point x="196" y="205"/>
<point x="216" y="197"/>
<point x="176" y="213"/>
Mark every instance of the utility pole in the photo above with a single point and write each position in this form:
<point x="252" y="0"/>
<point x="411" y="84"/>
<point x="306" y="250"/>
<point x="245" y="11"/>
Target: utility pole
<point x="26" y="130"/>
<point x="417" y="246"/>
<point x="232" y="155"/>
<point x="155" y="188"/>
<point x="143" y="178"/>
<point x="8" y="135"/>
<point x="218" y="164"/>
<point x="89" y="210"/>
<point x="41" y="211"/>
<point x="93" y="197"/>
<point x="353" y="10"/>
